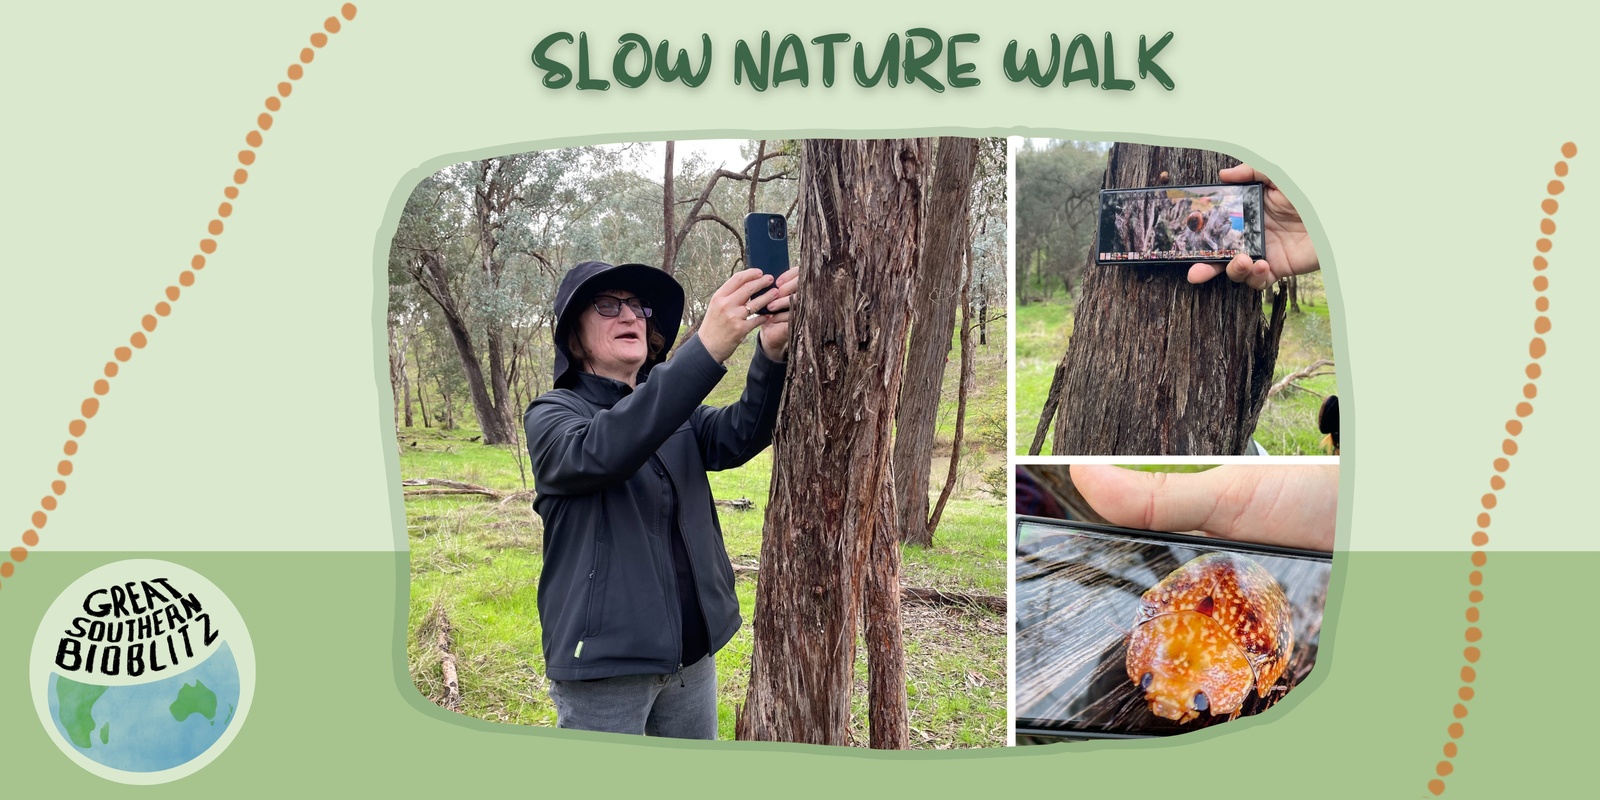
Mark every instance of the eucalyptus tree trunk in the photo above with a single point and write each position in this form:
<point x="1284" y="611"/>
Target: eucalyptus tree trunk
<point x="888" y="718"/>
<point x="669" y="226"/>
<point x="935" y="299"/>
<point x="431" y="273"/>
<point x="1157" y="365"/>
<point x="861" y="213"/>
<point x="983" y="313"/>
<point x="492" y="196"/>
<point x="397" y="366"/>
<point x="422" y="400"/>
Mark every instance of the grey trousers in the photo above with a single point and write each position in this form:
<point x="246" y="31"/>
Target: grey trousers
<point x="682" y="706"/>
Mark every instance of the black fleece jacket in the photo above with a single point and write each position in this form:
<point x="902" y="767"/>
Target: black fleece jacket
<point x="607" y="463"/>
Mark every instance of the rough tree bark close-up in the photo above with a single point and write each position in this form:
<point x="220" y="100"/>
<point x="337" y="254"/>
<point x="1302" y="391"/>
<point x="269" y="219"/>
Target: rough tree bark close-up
<point x="861" y="214"/>
<point x="1156" y="365"/>
<point x="936" y="297"/>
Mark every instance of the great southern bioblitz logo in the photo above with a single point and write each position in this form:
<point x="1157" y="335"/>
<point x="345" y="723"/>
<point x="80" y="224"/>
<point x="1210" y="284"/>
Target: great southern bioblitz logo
<point x="142" y="671"/>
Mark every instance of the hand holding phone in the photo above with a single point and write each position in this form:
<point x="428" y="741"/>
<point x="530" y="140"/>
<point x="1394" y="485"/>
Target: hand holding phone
<point x="1289" y="250"/>
<point x="766" y="239"/>
<point x="1173" y="225"/>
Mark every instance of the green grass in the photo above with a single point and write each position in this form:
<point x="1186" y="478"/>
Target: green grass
<point x="968" y="553"/>
<point x="1043" y="328"/>
<point x="1288" y="424"/>
<point x="732" y="384"/>
<point x="955" y="679"/>
<point x="987" y="401"/>
<point x="475" y="562"/>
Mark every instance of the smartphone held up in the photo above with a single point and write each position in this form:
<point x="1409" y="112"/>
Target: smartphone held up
<point x="766" y="239"/>
<point x="1180" y="224"/>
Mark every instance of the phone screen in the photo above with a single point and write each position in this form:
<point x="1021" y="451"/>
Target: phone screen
<point x="1078" y="592"/>
<point x="1180" y="224"/>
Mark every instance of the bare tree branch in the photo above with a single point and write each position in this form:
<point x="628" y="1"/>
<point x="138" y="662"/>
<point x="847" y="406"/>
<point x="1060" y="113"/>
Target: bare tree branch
<point x="961" y="395"/>
<point x="737" y="236"/>
<point x="1052" y="401"/>
<point x="1299" y="375"/>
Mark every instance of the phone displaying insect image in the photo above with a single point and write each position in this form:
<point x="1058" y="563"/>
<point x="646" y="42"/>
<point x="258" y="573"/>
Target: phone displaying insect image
<point x="1123" y="633"/>
<point x="1180" y="224"/>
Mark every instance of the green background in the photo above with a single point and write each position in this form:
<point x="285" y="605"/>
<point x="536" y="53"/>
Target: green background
<point x="1419" y="141"/>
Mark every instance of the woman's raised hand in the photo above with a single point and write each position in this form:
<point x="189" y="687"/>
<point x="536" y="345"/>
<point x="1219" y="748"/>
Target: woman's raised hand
<point x="731" y="314"/>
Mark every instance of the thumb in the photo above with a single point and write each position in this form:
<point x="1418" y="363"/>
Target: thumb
<point x="1157" y="501"/>
<point x="1295" y="506"/>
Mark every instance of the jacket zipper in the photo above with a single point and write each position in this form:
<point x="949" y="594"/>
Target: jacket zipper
<point x="669" y="502"/>
<point x="694" y="578"/>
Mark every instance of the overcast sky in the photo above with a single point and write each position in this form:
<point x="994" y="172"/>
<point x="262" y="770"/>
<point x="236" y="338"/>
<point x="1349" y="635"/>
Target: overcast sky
<point x="723" y="151"/>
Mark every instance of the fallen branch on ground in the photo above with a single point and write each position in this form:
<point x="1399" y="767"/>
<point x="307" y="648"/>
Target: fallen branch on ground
<point x="443" y="486"/>
<point x="447" y="661"/>
<point x="925" y="596"/>
<point x="448" y="487"/>
<point x="935" y="597"/>
<point x="1298" y="375"/>
<point x="526" y="494"/>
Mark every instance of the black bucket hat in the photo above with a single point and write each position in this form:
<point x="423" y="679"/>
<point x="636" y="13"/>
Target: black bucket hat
<point x="585" y="280"/>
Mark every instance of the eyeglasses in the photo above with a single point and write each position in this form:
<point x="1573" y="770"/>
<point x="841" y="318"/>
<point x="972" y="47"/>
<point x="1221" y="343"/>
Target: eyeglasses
<point x="609" y="306"/>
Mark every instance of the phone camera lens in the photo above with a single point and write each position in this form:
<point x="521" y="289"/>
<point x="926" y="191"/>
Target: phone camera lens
<point x="775" y="227"/>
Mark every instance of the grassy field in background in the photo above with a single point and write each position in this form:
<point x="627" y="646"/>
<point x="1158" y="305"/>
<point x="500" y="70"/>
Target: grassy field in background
<point x="1043" y="328"/>
<point x="1288" y="424"/>
<point x="475" y="564"/>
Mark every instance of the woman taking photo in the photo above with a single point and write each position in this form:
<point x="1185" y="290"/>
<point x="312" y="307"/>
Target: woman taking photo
<point x="637" y="594"/>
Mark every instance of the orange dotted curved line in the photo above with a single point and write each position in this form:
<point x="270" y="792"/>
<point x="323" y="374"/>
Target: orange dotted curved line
<point x="1536" y="350"/>
<point x="147" y="324"/>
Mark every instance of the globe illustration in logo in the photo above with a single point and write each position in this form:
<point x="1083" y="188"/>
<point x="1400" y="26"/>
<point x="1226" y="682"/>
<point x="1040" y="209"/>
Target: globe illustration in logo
<point x="158" y="725"/>
<point x="143" y="671"/>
